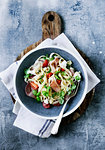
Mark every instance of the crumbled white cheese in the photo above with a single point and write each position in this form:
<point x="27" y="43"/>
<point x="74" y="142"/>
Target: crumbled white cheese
<point x="46" y="101"/>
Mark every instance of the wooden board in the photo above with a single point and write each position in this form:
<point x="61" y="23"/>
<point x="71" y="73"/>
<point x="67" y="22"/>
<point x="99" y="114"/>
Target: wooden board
<point x="51" y="28"/>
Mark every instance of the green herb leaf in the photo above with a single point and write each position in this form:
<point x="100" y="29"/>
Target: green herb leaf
<point x="73" y="87"/>
<point x="57" y="72"/>
<point x="61" y="101"/>
<point x="77" y="78"/>
<point x="38" y="94"/>
<point x="44" y="58"/>
<point x="26" y="71"/>
<point x="54" y="94"/>
<point x="62" y="94"/>
<point x="38" y="98"/>
<point x="63" y="73"/>
<point x="44" y="93"/>
<point x="57" y="77"/>
<point x="34" y="92"/>
<point x="45" y="86"/>
<point x="52" y="58"/>
<point x="69" y="92"/>
<point x="48" y="88"/>
<point x="26" y="76"/>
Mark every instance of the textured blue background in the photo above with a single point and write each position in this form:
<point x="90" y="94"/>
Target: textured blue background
<point x="84" y="24"/>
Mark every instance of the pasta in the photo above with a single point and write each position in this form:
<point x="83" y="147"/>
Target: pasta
<point x="50" y="79"/>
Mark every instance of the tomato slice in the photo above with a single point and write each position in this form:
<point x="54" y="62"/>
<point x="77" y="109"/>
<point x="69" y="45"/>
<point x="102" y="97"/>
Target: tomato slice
<point x="45" y="64"/>
<point x="57" y="104"/>
<point x="34" y="85"/>
<point x="49" y="75"/>
<point x="62" y="69"/>
<point x="58" y="81"/>
<point x="46" y="105"/>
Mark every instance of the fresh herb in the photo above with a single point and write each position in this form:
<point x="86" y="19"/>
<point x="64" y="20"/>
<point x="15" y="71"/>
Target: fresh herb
<point x="68" y="66"/>
<point x="69" y="92"/>
<point x="57" y="77"/>
<point x="26" y="71"/>
<point x="44" y="58"/>
<point x="77" y="78"/>
<point x="52" y="58"/>
<point x="45" y="93"/>
<point x="48" y="88"/>
<point x="54" y="94"/>
<point x="57" y="72"/>
<point x="61" y="101"/>
<point x="34" y="92"/>
<point x="62" y="94"/>
<point x="38" y="98"/>
<point x="26" y="76"/>
<point x="63" y="73"/>
<point x="38" y="94"/>
<point x="45" y="86"/>
<point x="73" y="87"/>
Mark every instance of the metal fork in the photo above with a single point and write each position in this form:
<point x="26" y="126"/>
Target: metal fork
<point x="58" y="121"/>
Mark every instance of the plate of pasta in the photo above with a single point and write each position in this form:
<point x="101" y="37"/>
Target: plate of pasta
<point x="46" y="78"/>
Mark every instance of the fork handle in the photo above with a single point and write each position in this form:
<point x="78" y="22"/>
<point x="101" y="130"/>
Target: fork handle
<point x="58" y="121"/>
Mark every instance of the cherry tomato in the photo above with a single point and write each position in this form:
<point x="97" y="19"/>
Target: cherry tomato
<point x="34" y="85"/>
<point x="49" y="75"/>
<point x="58" y="81"/>
<point x="62" y="69"/>
<point x="57" y="104"/>
<point x="46" y="105"/>
<point x="45" y="64"/>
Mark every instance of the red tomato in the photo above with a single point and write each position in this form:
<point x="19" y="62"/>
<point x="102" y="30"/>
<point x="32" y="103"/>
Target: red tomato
<point x="46" y="105"/>
<point x="58" y="81"/>
<point x="62" y="69"/>
<point x="34" y="85"/>
<point x="49" y="75"/>
<point x="45" y="64"/>
<point x="57" y="104"/>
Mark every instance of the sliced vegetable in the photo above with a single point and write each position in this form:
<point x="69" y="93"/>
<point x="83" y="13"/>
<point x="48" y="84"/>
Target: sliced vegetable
<point x="49" y="75"/>
<point x="58" y="81"/>
<point x="45" y="64"/>
<point x="34" y="85"/>
<point x="46" y="105"/>
<point x="62" y="69"/>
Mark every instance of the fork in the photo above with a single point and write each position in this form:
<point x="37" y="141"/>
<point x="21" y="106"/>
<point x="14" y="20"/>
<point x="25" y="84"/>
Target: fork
<point x="58" y="121"/>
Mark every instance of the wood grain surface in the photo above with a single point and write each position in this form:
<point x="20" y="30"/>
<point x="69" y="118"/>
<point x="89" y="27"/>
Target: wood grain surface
<point x="51" y="28"/>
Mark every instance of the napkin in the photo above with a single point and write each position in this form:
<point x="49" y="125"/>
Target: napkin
<point x="25" y="119"/>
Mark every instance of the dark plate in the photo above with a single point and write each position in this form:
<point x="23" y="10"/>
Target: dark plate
<point x="31" y="103"/>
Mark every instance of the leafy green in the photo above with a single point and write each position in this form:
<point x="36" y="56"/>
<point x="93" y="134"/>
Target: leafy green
<point x="46" y="55"/>
<point x="62" y="94"/>
<point x="26" y="71"/>
<point x="48" y="88"/>
<point x="57" y="72"/>
<point x="69" y="92"/>
<point x="38" y="94"/>
<point x="26" y="76"/>
<point x="38" y="98"/>
<point x="34" y="92"/>
<point x="45" y="93"/>
<point x="57" y="77"/>
<point x="61" y="100"/>
<point x="73" y="87"/>
<point x="52" y="58"/>
<point x="63" y="73"/>
<point x="77" y="78"/>
<point x="45" y="86"/>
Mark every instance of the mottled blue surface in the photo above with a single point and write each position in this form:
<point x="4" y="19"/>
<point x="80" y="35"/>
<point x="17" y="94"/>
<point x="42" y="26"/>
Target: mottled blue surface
<point x="84" y="24"/>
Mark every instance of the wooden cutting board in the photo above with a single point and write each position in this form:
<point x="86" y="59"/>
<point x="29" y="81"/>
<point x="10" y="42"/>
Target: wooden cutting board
<point x="51" y="28"/>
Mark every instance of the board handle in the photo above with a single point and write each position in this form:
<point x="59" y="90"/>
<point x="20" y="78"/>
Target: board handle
<point x="51" y="25"/>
